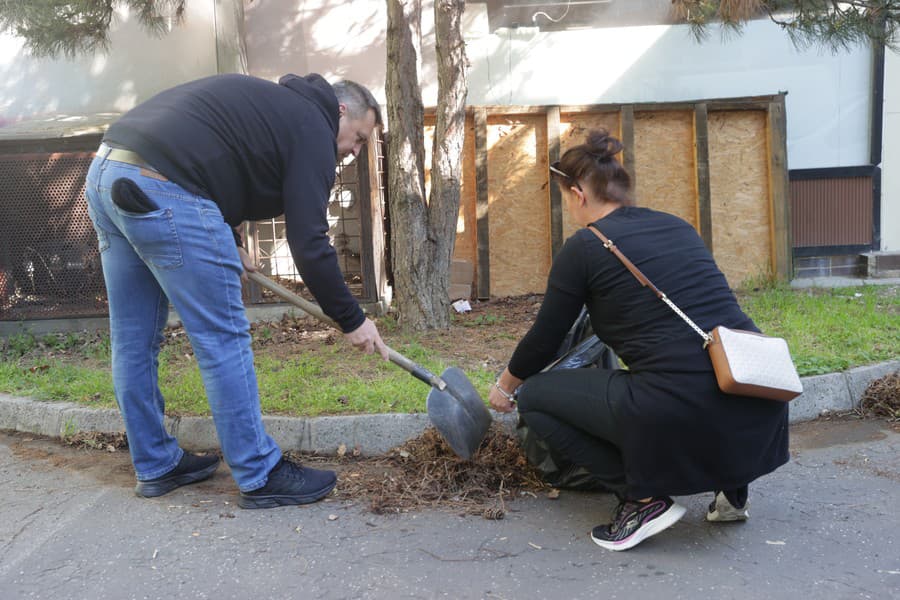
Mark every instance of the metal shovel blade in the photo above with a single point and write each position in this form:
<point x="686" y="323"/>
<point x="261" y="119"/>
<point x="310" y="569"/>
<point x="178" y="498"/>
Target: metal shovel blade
<point x="458" y="413"/>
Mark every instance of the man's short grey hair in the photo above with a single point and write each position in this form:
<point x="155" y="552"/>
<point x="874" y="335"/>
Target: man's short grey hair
<point x="357" y="98"/>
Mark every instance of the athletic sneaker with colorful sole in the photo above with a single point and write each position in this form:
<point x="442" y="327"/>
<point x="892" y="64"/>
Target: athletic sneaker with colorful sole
<point x="634" y="522"/>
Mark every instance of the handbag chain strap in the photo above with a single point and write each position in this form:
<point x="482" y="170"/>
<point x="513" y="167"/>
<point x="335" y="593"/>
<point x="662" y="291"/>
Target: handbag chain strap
<point x="609" y="245"/>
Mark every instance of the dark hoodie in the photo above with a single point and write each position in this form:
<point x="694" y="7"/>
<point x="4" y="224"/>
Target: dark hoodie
<point x="258" y="150"/>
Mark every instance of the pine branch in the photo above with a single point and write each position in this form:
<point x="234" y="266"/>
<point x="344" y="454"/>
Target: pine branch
<point x="831" y="24"/>
<point x="68" y="28"/>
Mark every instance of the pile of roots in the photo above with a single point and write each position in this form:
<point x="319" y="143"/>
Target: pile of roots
<point x="425" y="473"/>
<point x="97" y="440"/>
<point x="882" y="398"/>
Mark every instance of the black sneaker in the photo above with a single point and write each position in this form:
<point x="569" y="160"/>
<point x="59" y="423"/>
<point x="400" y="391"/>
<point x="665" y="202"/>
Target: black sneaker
<point x="634" y="522"/>
<point x="290" y="484"/>
<point x="191" y="469"/>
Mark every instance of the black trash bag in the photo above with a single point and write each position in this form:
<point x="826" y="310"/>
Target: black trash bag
<point x="581" y="349"/>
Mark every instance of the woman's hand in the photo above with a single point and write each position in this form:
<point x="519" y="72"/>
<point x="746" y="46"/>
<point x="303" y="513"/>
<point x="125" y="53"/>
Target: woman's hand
<point x="501" y="395"/>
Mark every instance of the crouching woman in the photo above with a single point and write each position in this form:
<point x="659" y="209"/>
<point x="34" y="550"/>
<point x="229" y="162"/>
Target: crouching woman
<point x="662" y="427"/>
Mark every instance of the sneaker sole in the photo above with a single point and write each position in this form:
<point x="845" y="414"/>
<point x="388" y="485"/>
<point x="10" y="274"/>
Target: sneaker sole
<point x="660" y="523"/>
<point x="153" y="489"/>
<point x="276" y="500"/>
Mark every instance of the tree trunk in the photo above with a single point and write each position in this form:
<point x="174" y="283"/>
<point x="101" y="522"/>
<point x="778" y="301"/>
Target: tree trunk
<point x="446" y="164"/>
<point x="423" y="235"/>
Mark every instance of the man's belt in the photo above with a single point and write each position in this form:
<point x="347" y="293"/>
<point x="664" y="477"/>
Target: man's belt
<point x="128" y="157"/>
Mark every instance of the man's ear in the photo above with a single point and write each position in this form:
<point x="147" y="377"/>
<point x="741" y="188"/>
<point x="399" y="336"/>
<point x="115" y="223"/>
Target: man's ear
<point x="342" y="109"/>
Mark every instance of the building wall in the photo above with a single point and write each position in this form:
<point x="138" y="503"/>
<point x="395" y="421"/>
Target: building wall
<point x="890" y="165"/>
<point x="137" y="66"/>
<point x="828" y="95"/>
<point x="828" y="100"/>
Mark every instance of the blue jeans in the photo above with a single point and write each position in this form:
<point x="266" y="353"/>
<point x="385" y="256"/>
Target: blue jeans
<point x="183" y="253"/>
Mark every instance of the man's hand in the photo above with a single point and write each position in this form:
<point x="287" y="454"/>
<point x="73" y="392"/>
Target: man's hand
<point x="366" y="338"/>
<point x="246" y="262"/>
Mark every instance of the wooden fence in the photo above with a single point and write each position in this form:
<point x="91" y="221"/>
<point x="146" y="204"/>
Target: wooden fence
<point x="718" y="164"/>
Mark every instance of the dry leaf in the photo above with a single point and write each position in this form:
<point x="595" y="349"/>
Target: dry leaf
<point x="553" y="494"/>
<point x="342" y="450"/>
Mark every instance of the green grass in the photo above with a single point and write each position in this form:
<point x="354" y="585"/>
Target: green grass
<point x="55" y="380"/>
<point x="830" y="330"/>
<point x="307" y="385"/>
<point x="827" y="331"/>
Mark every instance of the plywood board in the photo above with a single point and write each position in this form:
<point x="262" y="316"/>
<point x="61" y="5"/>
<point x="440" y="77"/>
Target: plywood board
<point x="664" y="162"/>
<point x="518" y="203"/>
<point x="741" y="218"/>
<point x="574" y="128"/>
<point x="466" y="240"/>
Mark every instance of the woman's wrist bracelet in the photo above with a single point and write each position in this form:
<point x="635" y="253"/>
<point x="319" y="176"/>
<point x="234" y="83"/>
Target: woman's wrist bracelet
<point x="509" y="396"/>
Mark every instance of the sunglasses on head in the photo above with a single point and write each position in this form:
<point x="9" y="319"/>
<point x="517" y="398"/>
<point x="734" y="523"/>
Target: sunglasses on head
<point x="554" y="168"/>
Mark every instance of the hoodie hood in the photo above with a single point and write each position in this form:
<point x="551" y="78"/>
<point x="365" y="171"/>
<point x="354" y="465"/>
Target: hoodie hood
<point x="314" y="88"/>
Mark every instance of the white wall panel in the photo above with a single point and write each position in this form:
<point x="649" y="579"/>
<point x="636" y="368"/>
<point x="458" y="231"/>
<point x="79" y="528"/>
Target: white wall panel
<point x="890" y="159"/>
<point x="828" y="94"/>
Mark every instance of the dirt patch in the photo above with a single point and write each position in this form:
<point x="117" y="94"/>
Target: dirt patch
<point x="835" y="430"/>
<point x="484" y="337"/>
<point x="422" y="473"/>
<point x="105" y="466"/>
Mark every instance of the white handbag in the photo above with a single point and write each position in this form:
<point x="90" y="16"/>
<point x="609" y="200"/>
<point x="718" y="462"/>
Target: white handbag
<point x="746" y="363"/>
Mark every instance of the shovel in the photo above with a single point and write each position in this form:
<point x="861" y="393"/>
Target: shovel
<point x="454" y="406"/>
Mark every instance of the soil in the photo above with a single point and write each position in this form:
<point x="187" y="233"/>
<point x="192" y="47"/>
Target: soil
<point x="422" y="473"/>
<point x="483" y="337"/>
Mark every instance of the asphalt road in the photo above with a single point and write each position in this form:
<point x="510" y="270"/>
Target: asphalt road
<point x="824" y="526"/>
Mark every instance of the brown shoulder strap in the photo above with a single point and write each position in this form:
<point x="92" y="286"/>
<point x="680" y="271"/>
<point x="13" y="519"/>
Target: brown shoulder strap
<point x="609" y="245"/>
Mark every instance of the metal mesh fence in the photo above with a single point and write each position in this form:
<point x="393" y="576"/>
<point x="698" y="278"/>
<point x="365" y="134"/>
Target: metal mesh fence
<point x="49" y="262"/>
<point x="344" y="229"/>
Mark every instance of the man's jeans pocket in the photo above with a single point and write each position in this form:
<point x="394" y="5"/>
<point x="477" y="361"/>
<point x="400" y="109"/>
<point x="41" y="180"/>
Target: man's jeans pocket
<point x="153" y="236"/>
<point x="128" y="196"/>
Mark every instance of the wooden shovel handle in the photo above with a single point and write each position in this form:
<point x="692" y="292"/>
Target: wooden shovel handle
<point x="313" y="309"/>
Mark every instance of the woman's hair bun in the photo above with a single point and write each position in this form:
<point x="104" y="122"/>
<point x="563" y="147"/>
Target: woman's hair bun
<point x="601" y="145"/>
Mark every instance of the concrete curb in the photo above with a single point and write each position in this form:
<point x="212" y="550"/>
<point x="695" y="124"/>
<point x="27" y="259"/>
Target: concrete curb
<point x="372" y="434"/>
